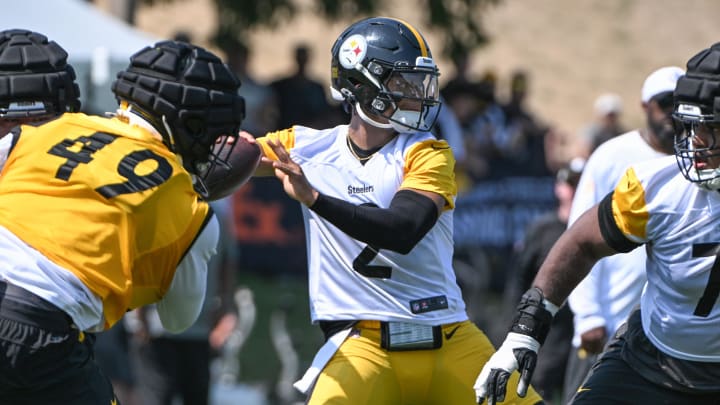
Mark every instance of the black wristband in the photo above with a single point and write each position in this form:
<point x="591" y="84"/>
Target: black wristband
<point x="532" y="318"/>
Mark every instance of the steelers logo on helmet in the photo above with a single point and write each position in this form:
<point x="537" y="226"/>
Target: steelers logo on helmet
<point x="697" y="119"/>
<point x="352" y="51"/>
<point x="384" y="69"/>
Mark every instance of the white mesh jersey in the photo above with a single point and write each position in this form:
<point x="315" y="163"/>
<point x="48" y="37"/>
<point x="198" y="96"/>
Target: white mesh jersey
<point x="422" y="287"/>
<point x="680" y="225"/>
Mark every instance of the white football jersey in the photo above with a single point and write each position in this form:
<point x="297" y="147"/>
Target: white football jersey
<point x="421" y="286"/>
<point x="612" y="289"/>
<point x="680" y="226"/>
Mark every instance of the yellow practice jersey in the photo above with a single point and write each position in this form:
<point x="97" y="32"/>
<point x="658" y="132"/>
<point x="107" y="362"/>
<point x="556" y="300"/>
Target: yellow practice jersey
<point x="104" y="200"/>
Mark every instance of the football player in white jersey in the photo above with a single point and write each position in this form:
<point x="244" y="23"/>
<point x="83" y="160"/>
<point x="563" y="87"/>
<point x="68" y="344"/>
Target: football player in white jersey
<point x="377" y="199"/>
<point x="604" y="299"/>
<point x="668" y="352"/>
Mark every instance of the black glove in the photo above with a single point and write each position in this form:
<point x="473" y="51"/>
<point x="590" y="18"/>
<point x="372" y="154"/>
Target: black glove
<point x="519" y="350"/>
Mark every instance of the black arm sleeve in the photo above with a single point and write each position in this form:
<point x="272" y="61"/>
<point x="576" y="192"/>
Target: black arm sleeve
<point x="398" y="228"/>
<point x="610" y="231"/>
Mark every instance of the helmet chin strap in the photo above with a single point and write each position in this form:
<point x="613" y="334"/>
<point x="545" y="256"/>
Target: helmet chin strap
<point x="369" y="120"/>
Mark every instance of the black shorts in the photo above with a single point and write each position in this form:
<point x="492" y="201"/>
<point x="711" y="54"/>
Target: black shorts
<point x="43" y="358"/>
<point x="633" y="371"/>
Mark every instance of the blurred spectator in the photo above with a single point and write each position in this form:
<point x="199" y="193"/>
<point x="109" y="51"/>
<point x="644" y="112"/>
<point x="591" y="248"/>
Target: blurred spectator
<point x="448" y="128"/>
<point x="493" y="154"/>
<point x="489" y="127"/>
<point x="260" y="105"/>
<point x="460" y="78"/>
<point x="608" y="109"/>
<point x="482" y="122"/>
<point x="540" y="237"/>
<point x="459" y="92"/>
<point x="300" y="99"/>
<point x="182" y="36"/>
<point x="525" y="135"/>
<point x="178" y="365"/>
<point x="607" y="295"/>
<point x="559" y="147"/>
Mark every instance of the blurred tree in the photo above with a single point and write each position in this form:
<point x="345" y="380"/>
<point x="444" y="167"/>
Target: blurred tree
<point x="459" y="20"/>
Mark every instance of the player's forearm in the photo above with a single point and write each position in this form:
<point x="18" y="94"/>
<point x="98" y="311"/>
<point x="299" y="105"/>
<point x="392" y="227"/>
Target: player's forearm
<point x="584" y="300"/>
<point x="398" y="228"/>
<point x="571" y="258"/>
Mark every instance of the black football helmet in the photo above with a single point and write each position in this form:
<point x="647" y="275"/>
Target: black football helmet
<point x="383" y="67"/>
<point x="36" y="82"/>
<point x="190" y="96"/>
<point x="696" y="119"/>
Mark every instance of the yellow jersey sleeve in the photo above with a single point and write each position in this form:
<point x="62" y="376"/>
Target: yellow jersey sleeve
<point x="430" y="166"/>
<point x="286" y="137"/>
<point x="629" y="207"/>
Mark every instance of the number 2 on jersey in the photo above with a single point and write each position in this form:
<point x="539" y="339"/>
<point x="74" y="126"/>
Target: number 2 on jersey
<point x="126" y="167"/>
<point x="361" y="264"/>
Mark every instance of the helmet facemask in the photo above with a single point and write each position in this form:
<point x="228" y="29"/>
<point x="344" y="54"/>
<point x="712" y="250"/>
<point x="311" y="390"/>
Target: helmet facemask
<point x="219" y="155"/>
<point x="697" y="146"/>
<point x="200" y="157"/>
<point x="410" y="98"/>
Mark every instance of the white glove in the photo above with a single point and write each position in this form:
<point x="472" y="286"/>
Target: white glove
<point x="518" y="352"/>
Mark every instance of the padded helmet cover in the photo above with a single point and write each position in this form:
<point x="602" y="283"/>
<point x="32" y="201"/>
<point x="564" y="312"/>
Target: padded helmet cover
<point x="188" y="94"/>
<point x="701" y="84"/>
<point x="35" y="79"/>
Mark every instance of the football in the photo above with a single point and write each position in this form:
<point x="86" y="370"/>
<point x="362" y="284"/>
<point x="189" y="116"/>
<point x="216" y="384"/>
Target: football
<point x="243" y="159"/>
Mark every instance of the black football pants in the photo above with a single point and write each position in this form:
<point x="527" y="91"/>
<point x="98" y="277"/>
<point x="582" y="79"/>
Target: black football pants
<point x="43" y="358"/>
<point x="632" y="371"/>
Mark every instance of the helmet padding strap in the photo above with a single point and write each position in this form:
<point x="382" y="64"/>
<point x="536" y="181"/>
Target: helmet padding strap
<point x="369" y="120"/>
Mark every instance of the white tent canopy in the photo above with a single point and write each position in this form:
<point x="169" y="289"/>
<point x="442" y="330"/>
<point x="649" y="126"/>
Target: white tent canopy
<point x="98" y="44"/>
